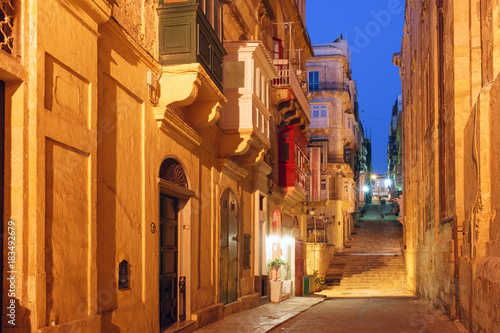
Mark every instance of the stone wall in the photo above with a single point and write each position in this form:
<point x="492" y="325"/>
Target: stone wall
<point x="450" y="91"/>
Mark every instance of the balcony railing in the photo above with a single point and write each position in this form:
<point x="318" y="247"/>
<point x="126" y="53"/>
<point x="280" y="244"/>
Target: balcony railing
<point x="287" y="79"/>
<point x="6" y="26"/>
<point x="336" y="158"/>
<point x="326" y="86"/>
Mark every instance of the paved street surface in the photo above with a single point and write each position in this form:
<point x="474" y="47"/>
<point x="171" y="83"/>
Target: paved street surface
<point x="383" y="314"/>
<point x="262" y="318"/>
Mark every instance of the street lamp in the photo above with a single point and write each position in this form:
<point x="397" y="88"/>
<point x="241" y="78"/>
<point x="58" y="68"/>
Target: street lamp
<point x="387" y="182"/>
<point x="374" y="177"/>
<point x="312" y="212"/>
<point x="366" y="188"/>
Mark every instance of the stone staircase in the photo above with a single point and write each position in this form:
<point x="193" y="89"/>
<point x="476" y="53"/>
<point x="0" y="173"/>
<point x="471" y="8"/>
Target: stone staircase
<point x="371" y="260"/>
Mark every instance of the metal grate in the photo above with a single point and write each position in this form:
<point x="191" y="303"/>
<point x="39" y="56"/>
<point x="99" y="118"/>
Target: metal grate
<point x="172" y="171"/>
<point x="6" y="26"/>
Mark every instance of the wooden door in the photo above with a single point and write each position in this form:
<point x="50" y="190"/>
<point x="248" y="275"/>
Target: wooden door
<point x="299" y="265"/>
<point x="168" y="260"/>
<point x="229" y="236"/>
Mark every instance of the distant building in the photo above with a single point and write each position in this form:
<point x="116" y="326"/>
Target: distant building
<point x="394" y="149"/>
<point x="335" y="145"/>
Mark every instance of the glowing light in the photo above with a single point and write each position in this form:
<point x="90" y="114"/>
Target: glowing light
<point x="366" y="189"/>
<point x="273" y="239"/>
<point x="374" y="176"/>
<point x="387" y="182"/>
<point x="287" y="240"/>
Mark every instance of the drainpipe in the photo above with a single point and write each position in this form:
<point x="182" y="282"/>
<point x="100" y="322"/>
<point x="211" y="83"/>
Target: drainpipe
<point x="456" y="273"/>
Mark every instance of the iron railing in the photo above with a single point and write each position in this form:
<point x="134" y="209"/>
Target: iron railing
<point x="6" y="26"/>
<point x="288" y="79"/>
<point x="328" y="86"/>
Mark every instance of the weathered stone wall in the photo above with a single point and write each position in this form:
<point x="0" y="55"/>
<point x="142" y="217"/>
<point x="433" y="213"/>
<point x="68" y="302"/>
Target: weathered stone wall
<point x="139" y="19"/>
<point x="450" y="91"/>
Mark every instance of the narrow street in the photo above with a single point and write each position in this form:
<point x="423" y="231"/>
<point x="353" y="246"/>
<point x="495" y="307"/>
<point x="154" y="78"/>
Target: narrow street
<point x="379" y="314"/>
<point x="365" y="291"/>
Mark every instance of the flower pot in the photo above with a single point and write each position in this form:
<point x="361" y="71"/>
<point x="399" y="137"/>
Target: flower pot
<point x="276" y="290"/>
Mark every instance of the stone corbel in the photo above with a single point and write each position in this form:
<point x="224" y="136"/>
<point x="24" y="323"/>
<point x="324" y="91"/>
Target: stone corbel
<point x="189" y="89"/>
<point x="244" y="147"/>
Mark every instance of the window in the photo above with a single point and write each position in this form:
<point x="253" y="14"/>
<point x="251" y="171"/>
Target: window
<point x="257" y="82"/>
<point x="277" y="48"/>
<point x="217" y="25"/>
<point x="349" y="122"/>
<point x="286" y="153"/>
<point x="213" y="11"/>
<point x="319" y="111"/>
<point x="314" y="81"/>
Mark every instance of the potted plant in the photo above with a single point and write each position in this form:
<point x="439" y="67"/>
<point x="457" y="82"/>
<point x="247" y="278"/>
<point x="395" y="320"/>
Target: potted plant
<point x="319" y="282"/>
<point x="276" y="285"/>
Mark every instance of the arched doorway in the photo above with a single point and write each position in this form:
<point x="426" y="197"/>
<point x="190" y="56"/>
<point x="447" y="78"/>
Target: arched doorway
<point x="173" y="187"/>
<point x="229" y="235"/>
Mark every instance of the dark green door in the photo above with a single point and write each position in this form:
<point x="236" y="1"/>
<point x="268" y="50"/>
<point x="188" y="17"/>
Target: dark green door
<point x="168" y="260"/>
<point x="229" y="248"/>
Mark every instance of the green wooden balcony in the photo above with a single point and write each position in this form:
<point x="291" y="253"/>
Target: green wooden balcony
<point x="190" y="31"/>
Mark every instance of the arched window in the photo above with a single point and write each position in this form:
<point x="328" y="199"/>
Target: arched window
<point x="172" y="171"/>
<point x="173" y="181"/>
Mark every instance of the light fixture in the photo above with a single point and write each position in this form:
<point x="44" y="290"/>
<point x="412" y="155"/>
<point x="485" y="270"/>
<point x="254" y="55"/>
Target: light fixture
<point x="387" y="182"/>
<point x="366" y="188"/>
<point x="374" y="177"/>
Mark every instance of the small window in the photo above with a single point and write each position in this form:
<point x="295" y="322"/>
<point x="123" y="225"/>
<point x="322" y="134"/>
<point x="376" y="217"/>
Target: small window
<point x="314" y="81"/>
<point x="315" y="114"/>
<point x="257" y="82"/>
<point x="277" y="48"/>
<point x="323" y="113"/>
<point x="217" y="19"/>
<point x="286" y="153"/>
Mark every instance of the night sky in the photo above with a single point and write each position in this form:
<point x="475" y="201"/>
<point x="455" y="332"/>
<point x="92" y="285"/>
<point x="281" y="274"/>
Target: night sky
<point x="373" y="30"/>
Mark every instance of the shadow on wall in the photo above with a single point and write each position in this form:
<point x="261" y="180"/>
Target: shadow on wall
<point x="16" y="318"/>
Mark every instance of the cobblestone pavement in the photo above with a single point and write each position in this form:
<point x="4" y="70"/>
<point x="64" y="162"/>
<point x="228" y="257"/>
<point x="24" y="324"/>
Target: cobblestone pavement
<point x="383" y="314"/>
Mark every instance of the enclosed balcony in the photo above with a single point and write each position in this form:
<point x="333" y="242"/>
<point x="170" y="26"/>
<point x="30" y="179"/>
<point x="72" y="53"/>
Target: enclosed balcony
<point x="292" y="102"/>
<point x="190" y="31"/>
<point x="292" y="161"/>
<point x="244" y="120"/>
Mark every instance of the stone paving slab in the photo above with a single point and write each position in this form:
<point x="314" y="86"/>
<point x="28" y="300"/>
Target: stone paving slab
<point x="340" y="292"/>
<point x="384" y="315"/>
<point x="263" y="318"/>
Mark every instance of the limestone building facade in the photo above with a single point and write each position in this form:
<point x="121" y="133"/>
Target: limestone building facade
<point x="449" y="65"/>
<point x="335" y="145"/>
<point x="132" y="188"/>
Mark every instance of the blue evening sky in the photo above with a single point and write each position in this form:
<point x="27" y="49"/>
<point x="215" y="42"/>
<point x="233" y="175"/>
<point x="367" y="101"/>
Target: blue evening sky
<point x="373" y="30"/>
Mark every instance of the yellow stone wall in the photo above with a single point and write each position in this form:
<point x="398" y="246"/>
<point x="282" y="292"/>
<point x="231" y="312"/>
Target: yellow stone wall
<point x="84" y="143"/>
<point x="451" y="238"/>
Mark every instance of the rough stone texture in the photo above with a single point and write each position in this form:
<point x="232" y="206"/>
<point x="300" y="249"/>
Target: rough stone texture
<point x="138" y="18"/>
<point x="450" y="156"/>
<point x="85" y="141"/>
